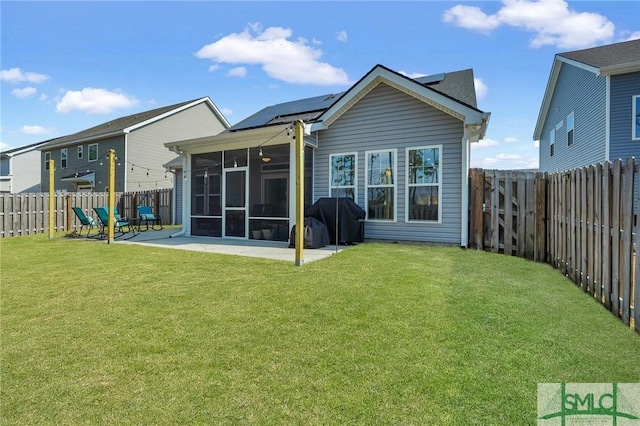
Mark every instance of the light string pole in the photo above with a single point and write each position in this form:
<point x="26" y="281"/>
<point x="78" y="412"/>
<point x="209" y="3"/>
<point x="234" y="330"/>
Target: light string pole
<point x="51" y="197"/>
<point x="299" y="128"/>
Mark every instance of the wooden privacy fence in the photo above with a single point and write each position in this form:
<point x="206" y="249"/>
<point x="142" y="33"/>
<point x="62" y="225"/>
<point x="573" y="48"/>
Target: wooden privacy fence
<point x="28" y="213"/>
<point x="580" y="221"/>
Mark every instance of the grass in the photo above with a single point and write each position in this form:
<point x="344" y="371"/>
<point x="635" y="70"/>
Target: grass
<point x="378" y="334"/>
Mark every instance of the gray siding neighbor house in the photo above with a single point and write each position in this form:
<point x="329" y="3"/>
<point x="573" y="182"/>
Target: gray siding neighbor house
<point x="20" y="169"/>
<point x="591" y="107"/>
<point x="397" y="146"/>
<point x="81" y="162"/>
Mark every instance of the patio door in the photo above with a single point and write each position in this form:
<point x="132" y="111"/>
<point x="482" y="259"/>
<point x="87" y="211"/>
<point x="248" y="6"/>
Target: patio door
<point x="235" y="203"/>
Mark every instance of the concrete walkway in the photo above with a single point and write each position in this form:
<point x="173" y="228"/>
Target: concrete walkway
<point x="276" y="250"/>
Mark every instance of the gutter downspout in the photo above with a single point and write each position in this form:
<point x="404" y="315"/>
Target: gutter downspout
<point x="464" y="208"/>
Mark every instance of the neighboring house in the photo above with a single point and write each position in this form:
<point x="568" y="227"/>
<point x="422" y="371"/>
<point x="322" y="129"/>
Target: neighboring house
<point x="399" y="147"/>
<point x="81" y="159"/>
<point x="20" y="169"/>
<point x="591" y="107"/>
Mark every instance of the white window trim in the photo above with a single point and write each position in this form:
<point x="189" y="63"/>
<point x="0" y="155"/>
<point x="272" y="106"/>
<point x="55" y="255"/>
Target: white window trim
<point x="64" y="158"/>
<point x="573" y="127"/>
<point x="89" y="152"/>
<point x="394" y="186"/>
<point x="634" y="113"/>
<point x="47" y="158"/>
<point x="552" y="142"/>
<point x="80" y="151"/>
<point x="439" y="185"/>
<point x="355" y="176"/>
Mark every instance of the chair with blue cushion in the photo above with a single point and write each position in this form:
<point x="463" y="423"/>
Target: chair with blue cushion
<point x="84" y="220"/>
<point x="146" y="216"/>
<point x="118" y="223"/>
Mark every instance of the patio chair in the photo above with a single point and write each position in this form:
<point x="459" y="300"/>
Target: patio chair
<point x="84" y="220"/>
<point x="118" y="224"/>
<point x="146" y="216"/>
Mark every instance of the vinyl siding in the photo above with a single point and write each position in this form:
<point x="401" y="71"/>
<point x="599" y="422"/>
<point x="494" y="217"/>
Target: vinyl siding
<point x="26" y="172"/>
<point x="82" y="165"/>
<point x="388" y="119"/>
<point x="583" y="93"/>
<point x="623" y="89"/>
<point x="178" y="188"/>
<point x="146" y="150"/>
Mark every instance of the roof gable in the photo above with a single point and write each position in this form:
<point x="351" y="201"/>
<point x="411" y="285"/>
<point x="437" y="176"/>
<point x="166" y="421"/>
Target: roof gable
<point x="131" y="122"/>
<point x="424" y="92"/>
<point x="618" y="58"/>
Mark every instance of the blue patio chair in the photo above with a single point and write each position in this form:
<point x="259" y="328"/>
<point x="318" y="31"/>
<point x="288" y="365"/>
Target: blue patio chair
<point x="146" y="216"/>
<point x="118" y="224"/>
<point x="84" y="220"/>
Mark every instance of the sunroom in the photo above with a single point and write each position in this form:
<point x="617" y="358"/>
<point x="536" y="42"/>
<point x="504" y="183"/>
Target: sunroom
<point x="242" y="184"/>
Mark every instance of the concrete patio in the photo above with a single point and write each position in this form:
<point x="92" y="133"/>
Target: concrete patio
<point x="275" y="250"/>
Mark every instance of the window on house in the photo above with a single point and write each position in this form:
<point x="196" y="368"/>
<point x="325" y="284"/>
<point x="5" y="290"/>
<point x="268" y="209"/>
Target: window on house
<point x="63" y="158"/>
<point x="343" y="178"/>
<point x="47" y="158"/>
<point x="423" y="183"/>
<point x="381" y="185"/>
<point x="636" y="117"/>
<point x="552" y="142"/>
<point x="80" y="152"/>
<point x="93" y="152"/>
<point x="570" y="129"/>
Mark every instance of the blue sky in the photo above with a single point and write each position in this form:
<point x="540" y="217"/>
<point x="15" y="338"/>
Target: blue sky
<point x="66" y="66"/>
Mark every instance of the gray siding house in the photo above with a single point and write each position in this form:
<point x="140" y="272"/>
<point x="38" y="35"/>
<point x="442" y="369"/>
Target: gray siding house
<point x="398" y="147"/>
<point x="20" y="169"/>
<point x="591" y="107"/>
<point x="81" y="162"/>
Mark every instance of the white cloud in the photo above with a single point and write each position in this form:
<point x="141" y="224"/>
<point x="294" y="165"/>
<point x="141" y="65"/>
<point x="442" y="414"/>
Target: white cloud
<point x="485" y="143"/>
<point x="316" y="41"/>
<point x="214" y="67"/>
<point x="481" y="88"/>
<point x="16" y="75"/>
<point x="633" y="36"/>
<point x="552" y="22"/>
<point x="226" y="111"/>
<point x="342" y="36"/>
<point x="281" y="58"/>
<point x="4" y="146"/>
<point x="506" y="162"/>
<point x="237" y="72"/>
<point x="412" y="74"/>
<point x="536" y="144"/>
<point x="35" y="130"/>
<point x="24" y="93"/>
<point x="94" y="101"/>
<point x="43" y="97"/>
<point x="510" y="139"/>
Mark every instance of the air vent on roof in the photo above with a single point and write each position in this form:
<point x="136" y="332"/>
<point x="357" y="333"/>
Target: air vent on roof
<point x="331" y="96"/>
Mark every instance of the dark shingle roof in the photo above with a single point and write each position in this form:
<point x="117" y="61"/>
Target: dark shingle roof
<point x="119" y="124"/>
<point x="606" y="56"/>
<point x="26" y="147"/>
<point x="457" y="85"/>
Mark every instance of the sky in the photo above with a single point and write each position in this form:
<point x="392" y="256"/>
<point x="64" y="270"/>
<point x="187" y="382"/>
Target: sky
<point x="67" y="66"/>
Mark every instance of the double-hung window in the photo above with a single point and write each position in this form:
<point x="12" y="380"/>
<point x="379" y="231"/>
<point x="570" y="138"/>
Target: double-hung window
<point x="570" y="119"/>
<point x="635" y="130"/>
<point x="80" y="151"/>
<point x="552" y="142"/>
<point x="381" y="185"/>
<point x="424" y="182"/>
<point x="47" y="158"/>
<point x="93" y="152"/>
<point x="63" y="157"/>
<point x="343" y="175"/>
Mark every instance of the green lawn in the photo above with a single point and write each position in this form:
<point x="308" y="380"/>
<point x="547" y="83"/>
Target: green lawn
<point x="94" y="333"/>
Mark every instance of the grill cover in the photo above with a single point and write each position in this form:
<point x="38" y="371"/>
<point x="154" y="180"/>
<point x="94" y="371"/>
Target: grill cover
<point x="350" y="216"/>
<point x="315" y="234"/>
